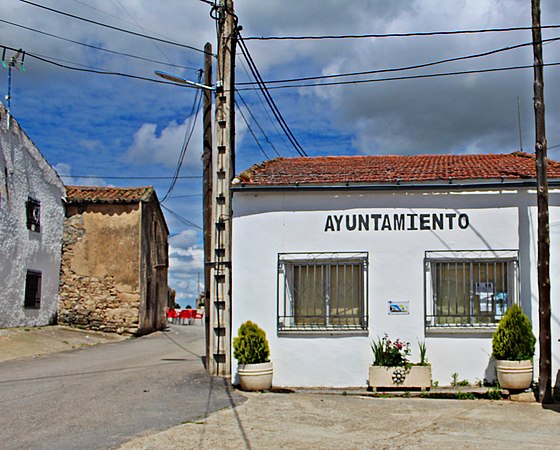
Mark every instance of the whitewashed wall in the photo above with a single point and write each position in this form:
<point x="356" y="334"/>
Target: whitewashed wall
<point x="266" y="224"/>
<point x="23" y="173"/>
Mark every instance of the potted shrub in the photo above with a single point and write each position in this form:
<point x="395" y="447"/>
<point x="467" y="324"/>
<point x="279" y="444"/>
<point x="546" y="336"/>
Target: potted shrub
<point x="391" y="367"/>
<point x="513" y="346"/>
<point x="251" y="350"/>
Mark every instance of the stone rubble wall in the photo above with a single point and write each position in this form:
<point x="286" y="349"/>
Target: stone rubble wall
<point x="90" y="302"/>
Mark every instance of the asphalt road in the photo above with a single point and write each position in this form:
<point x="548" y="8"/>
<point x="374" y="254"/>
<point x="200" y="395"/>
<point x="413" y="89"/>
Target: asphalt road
<point x="100" y="397"/>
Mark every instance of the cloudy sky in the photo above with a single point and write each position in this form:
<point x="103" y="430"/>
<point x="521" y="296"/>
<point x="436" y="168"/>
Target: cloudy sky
<point x="100" y="129"/>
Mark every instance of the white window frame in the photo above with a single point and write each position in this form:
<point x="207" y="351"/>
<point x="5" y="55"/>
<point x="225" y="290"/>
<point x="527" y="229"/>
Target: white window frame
<point x="511" y="257"/>
<point x="286" y="322"/>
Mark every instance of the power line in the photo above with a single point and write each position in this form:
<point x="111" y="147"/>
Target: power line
<point x="143" y="30"/>
<point x="165" y="41"/>
<point x="399" y="69"/>
<point x="95" y="47"/>
<point x="128" y="177"/>
<point x="185" y="196"/>
<point x="269" y="98"/>
<point x="99" y="72"/>
<point x="188" y="135"/>
<point x="260" y="97"/>
<point x="409" y="77"/>
<point x="256" y="122"/>
<point x="392" y="35"/>
<point x="181" y="218"/>
<point x="251" y="130"/>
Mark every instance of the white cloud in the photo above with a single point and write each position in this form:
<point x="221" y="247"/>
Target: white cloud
<point x="151" y="145"/>
<point x="186" y="266"/>
<point x="65" y="172"/>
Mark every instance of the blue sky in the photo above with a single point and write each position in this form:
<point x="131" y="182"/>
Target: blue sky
<point x="103" y="126"/>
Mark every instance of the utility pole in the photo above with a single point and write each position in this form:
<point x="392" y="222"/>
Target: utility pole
<point x="223" y="167"/>
<point x="545" y="384"/>
<point x="207" y="187"/>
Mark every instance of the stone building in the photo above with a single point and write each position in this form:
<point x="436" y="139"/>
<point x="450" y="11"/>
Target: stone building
<point x="114" y="260"/>
<point x="31" y="217"/>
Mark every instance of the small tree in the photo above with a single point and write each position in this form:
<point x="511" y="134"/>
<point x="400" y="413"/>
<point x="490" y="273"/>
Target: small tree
<point x="514" y="339"/>
<point x="250" y="346"/>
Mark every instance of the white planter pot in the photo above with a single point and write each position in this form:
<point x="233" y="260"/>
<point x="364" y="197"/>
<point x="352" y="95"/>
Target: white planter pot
<point x="255" y="377"/>
<point x="419" y="377"/>
<point x="515" y="374"/>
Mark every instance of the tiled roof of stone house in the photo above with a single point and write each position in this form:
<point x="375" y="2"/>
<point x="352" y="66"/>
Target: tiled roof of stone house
<point x="98" y="194"/>
<point x="394" y="169"/>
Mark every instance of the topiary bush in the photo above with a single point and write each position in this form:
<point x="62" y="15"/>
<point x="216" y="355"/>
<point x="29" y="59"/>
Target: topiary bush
<point x="514" y="339"/>
<point x="250" y="346"/>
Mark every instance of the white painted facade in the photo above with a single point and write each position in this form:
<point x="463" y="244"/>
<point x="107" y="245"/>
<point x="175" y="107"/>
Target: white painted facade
<point x="269" y="223"/>
<point x="24" y="174"/>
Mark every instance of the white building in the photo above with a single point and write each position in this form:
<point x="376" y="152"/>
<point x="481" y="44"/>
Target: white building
<point x="330" y="253"/>
<point x="31" y="219"/>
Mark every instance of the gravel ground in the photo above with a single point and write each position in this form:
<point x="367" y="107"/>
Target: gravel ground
<point x="26" y="342"/>
<point x="317" y="421"/>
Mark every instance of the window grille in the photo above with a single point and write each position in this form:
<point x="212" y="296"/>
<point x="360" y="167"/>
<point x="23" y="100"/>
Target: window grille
<point x="322" y="291"/>
<point x="32" y="290"/>
<point x="470" y="289"/>
<point x="33" y="209"/>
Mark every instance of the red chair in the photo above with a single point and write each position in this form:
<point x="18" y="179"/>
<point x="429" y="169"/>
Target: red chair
<point x="186" y="314"/>
<point x="172" y="314"/>
<point x="198" y="315"/>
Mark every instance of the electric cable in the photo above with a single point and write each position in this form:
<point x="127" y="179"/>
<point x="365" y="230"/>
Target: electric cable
<point x="99" y="72"/>
<point x="392" y="35"/>
<point x="256" y="122"/>
<point x="143" y="31"/>
<point x="181" y="218"/>
<point x="269" y="99"/>
<point x="281" y="135"/>
<point x="251" y="130"/>
<point x="404" y="68"/>
<point x="188" y="135"/>
<point x="130" y="177"/>
<point x="111" y="27"/>
<point x="409" y="77"/>
<point x="95" y="47"/>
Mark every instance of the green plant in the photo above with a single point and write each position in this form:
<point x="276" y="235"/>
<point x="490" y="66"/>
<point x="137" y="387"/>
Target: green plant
<point x="465" y="396"/>
<point x="455" y="380"/>
<point x="390" y="354"/>
<point x="495" y="393"/>
<point x="422" y="348"/>
<point x="250" y="346"/>
<point x="435" y="383"/>
<point x="514" y="339"/>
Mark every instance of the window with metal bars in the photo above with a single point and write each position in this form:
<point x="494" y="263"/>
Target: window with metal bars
<point x="33" y="210"/>
<point x="32" y="290"/>
<point x="470" y="289"/>
<point x="322" y="291"/>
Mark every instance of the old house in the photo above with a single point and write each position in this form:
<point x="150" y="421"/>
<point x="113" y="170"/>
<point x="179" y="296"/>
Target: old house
<point x="114" y="260"/>
<point x="31" y="217"/>
<point x="331" y="253"/>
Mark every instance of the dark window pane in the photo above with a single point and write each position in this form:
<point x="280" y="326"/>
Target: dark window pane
<point x="32" y="290"/>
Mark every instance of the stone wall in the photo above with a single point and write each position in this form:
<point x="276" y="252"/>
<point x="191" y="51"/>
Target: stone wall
<point x="99" y="285"/>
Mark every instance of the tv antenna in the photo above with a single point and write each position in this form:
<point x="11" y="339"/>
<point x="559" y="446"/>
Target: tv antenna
<point x="14" y="61"/>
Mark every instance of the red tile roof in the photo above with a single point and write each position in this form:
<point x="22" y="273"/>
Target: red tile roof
<point x="97" y="194"/>
<point x="392" y="169"/>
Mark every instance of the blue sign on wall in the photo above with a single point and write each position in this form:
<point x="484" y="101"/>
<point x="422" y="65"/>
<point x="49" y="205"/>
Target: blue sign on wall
<point x="398" y="308"/>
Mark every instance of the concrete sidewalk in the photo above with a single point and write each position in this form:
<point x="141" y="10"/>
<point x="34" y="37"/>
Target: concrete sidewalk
<point x="321" y="421"/>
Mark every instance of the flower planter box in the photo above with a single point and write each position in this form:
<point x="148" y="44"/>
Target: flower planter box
<point x="415" y="377"/>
